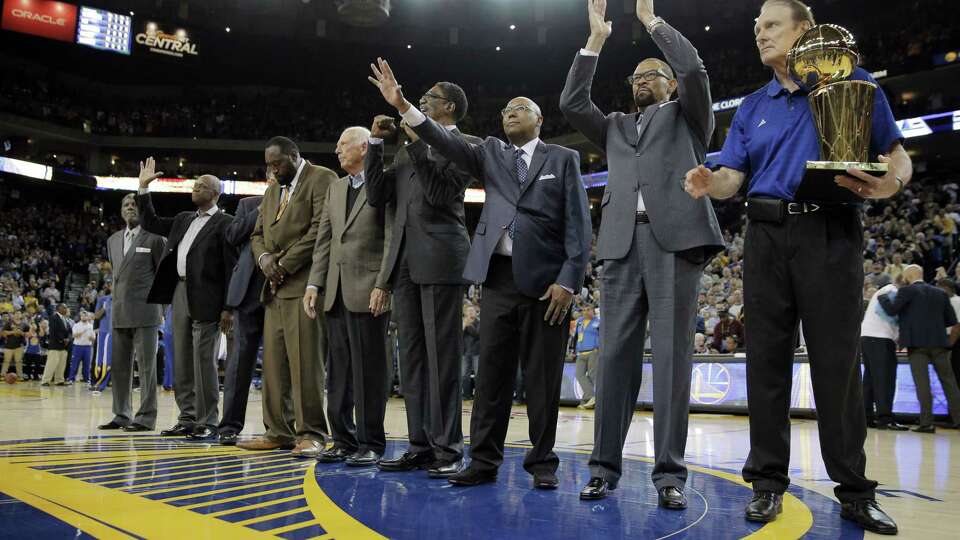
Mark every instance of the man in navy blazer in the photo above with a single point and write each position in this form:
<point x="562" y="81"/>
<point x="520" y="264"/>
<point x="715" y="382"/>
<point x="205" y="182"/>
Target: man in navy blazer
<point x="243" y="297"/>
<point x="530" y="251"/>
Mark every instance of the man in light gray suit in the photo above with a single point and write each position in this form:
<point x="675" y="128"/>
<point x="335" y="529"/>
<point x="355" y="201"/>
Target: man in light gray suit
<point x="135" y="256"/>
<point x="654" y="242"/>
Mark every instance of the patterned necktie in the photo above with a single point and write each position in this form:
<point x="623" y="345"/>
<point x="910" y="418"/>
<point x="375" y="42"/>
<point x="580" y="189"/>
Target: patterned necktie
<point x="127" y="241"/>
<point x="522" y="170"/>
<point x="284" y="199"/>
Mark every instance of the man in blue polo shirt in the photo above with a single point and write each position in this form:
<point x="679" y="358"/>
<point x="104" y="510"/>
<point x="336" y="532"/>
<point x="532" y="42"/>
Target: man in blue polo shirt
<point x="802" y="262"/>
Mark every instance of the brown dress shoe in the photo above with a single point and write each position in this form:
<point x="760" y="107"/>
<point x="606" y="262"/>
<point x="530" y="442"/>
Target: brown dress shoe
<point x="308" y="448"/>
<point x="263" y="444"/>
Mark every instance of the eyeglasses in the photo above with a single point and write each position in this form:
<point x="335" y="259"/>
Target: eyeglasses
<point x="647" y="76"/>
<point x="431" y="95"/>
<point x="519" y="108"/>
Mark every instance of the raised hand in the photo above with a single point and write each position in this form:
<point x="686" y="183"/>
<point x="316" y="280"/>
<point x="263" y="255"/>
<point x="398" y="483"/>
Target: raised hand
<point x="384" y="80"/>
<point x="384" y="127"/>
<point x="645" y="10"/>
<point x="597" y="11"/>
<point x="698" y="181"/>
<point x="148" y="172"/>
<point x="411" y="134"/>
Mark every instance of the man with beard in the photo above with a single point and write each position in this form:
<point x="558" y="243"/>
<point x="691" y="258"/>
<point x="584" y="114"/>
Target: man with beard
<point x="135" y="256"/>
<point x="654" y="241"/>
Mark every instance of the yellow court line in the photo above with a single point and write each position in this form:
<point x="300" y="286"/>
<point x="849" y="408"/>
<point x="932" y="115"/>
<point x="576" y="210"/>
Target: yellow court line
<point x="120" y="463"/>
<point x="225" y="490"/>
<point x="159" y="463"/>
<point x="238" y="497"/>
<point x="337" y="522"/>
<point x="108" y="456"/>
<point x="176" y="469"/>
<point x="293" y="527"/>
<point x="255" y="506"/>
<point x="66" y="515"/>
<point x="186" y="481"/>
<point x="179" y="487"/>
<point x="268" y="517"/>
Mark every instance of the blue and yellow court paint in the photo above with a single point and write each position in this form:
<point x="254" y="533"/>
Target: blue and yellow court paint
<point x="153" y="487"/>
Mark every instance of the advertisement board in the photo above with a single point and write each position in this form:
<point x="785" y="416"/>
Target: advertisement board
<point x="53" y="20"/>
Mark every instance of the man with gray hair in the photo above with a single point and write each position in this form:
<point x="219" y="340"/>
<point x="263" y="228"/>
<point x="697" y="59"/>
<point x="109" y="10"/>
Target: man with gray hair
<point x="134" y="255"/>
<point x="193" y="275"/>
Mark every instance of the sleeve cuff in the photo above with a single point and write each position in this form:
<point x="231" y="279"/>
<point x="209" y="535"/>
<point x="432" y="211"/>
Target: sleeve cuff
<point x="314" y="287"/>
<point x="260" y="258"/>
<point x="374" y="140"/>
<point x="143" y="191"/>
<point x="564" y="287"/>
<point x="414" y="117"/>
<point x="584" y="52"/>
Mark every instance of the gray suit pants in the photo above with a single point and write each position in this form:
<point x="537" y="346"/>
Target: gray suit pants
<point x="123" y="342"/>
<point x="654" y="282"/>
<point x="196" y="387"/>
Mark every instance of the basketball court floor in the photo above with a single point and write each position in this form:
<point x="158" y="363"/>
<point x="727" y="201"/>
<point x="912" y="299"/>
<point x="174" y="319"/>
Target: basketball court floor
<point x="61" y="478"/>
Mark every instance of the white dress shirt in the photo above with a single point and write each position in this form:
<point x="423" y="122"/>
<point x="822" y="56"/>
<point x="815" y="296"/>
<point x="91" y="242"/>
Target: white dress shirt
<point x="83" y="334"/>
<point x="505" y="245"/>
<point x="292" y="188"/>
<point x="193" y="230"/>
<point x="129" y="235"/>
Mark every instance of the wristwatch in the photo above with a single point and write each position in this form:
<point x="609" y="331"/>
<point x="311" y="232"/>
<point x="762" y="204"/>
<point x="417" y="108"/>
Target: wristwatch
<point x="657" y="21"/>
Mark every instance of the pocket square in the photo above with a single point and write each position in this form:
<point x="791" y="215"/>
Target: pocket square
<point x="546" y="177"/>
<point x="143" y="250"/>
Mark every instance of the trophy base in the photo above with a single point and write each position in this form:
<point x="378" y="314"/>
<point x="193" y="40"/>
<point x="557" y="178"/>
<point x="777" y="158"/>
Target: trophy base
<point x="818" y="184"/>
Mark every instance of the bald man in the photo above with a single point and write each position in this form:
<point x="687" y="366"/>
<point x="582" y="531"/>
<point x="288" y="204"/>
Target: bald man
<point x="530" y="251"/>
<point x="653" y="243"/>
<point x="348" y="279"/>
<point x="193" y="276"/>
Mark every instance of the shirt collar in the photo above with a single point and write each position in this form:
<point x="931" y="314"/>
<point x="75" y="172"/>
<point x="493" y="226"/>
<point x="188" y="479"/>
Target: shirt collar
<point x="356" y="181"/>
<point x="211" y="211"/>
<point x="135" y="230"/>
<point x="529" y="148"/>
<point x="775" y="89"/>
<point x="451" y="127"/>
<point x="296" y="177"/>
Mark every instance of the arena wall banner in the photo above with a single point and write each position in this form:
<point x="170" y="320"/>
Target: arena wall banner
<point x="153" y="38"/>
<point x="44" y="18"/>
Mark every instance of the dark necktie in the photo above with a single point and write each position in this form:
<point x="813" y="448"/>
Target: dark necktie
<point x="522" y="170"/>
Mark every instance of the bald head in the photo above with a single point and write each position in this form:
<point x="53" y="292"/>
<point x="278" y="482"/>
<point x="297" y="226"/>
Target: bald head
<point x="206" y="191"/>
<point x="352" y="148"/>
<point x="522" y="119"/>
<point x="912" y="273"/>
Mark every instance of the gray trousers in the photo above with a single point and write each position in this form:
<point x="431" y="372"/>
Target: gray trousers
<point x="123" y="342"/>
<point x="654" y="282"/>
<point x="920" y="358"/>
<point x="196" y="387"/>
<point x="587" y="373"/>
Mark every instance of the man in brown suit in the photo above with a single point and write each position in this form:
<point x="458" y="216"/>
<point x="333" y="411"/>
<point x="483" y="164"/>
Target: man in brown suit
<point x="350" y="272"/>
<point x="293" y="344"/>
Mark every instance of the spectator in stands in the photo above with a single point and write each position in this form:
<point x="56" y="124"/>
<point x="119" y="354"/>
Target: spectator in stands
<point x="15" y="336"/>
<point x="586" y="339"/>
<point x="726" y="326"/>
<point x="700" y="344"/>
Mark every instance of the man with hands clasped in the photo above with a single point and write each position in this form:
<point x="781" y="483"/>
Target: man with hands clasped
<point x="530" y="250"/>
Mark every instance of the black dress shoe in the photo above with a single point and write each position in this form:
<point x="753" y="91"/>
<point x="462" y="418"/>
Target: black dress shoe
<point x="204" y="434"/>
<point x="873" y="424"/>
<point x="178" y="430"/>
<point x="407" y="462"/>
<point x="110" y="425"/>
<point x="924" y="429"/>
<point x="133" y="428"/>
<point x="672" y="498"/>
<point x="473" y="476"/>
<point x="545" y="480"/>
<point x="228" y="438"/>
<point x="445" y="469"/>
<point x="365" y="458"/>
<point x="868" y="515"/>
<point x="335" y="454"/>
<point x="764" y="507"/>
<point x="595" y="489"/>
<point x="892" y="426"/>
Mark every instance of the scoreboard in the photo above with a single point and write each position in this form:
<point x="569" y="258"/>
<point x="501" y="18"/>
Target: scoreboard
<point x="104" y="30"/>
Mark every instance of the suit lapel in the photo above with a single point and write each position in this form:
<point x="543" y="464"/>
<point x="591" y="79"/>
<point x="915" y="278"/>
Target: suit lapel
<point x="357" y="206"/>
<point x="205" y="231"/>
<point x="647" y="118"/>
<point x="338" y="206"/>
<point x="510" y="164"/>
<point x="628" y="124"/>
<point x="536" y="163"/>
<point x="126" y="257"/>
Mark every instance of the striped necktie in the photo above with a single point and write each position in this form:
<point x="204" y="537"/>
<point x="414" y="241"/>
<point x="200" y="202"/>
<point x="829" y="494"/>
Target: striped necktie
<point x="522" y="170"/>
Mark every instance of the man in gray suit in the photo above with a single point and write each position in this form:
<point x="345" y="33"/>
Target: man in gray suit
<point x="654" y="241"/>
<point x="349" y="271"/>
<point x="135" y="255"/>
<point x="530" y="251"/>
<point x="243" y="297"/>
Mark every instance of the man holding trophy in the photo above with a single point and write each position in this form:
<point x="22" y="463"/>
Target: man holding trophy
<point x="803" y="141"/>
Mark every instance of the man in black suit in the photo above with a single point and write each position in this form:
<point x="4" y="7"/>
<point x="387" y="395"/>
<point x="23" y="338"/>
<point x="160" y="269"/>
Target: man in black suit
<point x="925" y="312"/>
<point x="243" y="297"/>
<point x="530" y="251"/>
<point x="193" y="276"/>
<point x="425" y="264"/>
<point x="57" y="343"/>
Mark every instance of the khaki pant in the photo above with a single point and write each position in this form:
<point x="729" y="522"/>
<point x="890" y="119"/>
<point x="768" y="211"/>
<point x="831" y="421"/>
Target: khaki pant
<point x="56" y="364"/>
<point x="17" y="356"/>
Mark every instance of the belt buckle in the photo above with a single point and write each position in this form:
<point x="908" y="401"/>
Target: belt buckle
<point x="796" y="208"/>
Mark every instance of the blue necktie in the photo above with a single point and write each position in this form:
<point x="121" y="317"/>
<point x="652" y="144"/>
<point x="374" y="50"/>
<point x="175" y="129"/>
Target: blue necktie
<point x="522" y="170"/>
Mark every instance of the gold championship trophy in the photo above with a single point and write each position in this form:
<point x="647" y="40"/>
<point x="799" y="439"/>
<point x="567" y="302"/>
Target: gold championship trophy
<point x="821" y="61"/>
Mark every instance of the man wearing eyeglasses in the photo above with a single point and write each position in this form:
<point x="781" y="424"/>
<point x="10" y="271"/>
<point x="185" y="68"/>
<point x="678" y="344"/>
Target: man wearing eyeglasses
<point x="530" y="251"/>
<point x="654" y="241"/>
<point x="425" y="261"/>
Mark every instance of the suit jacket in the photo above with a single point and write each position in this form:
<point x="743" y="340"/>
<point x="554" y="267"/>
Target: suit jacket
<point x="246" y="282"/>
<point x="133" y="275"/>
<point x="209" y="261"/>
<point x="59" y="337"/>
<point x="292" y="236"/>
<point x="925" y="313"/>
<point x="552" y="239"/>
<point x="672" y="138"/>
<point x="427" y="191"/>
<point x="351" y="250"/>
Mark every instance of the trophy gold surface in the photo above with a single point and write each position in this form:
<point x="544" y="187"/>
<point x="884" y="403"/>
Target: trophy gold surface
<point x="821" y="62"/>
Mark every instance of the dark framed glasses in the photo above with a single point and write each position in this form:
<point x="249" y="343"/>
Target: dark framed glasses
<point x="431" y="95"/>
<point x="647" y="76"/>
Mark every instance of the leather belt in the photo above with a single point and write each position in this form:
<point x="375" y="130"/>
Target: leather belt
<point x="642" y="217"/>
<point x="776" y="210"/>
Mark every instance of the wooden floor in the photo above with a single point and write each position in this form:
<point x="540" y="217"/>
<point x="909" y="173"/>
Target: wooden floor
<point x="51" y="452"/>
